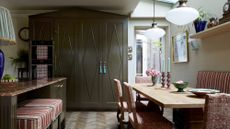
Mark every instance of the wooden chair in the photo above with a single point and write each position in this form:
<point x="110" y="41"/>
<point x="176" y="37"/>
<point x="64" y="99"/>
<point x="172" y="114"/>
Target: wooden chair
<point x="123" y="106"/>
<point x="217" y="111"/>
<point x="145" y="120"/>
<point x="142" y="79"/>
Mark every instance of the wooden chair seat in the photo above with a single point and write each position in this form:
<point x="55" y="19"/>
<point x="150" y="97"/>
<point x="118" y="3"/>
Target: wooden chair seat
<point x="150" y="120"/>
<point x="123" y="105"/>
<point x="145" y="120"/>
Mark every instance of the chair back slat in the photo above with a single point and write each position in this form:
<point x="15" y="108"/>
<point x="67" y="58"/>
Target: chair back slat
<point x="217" y="111"/>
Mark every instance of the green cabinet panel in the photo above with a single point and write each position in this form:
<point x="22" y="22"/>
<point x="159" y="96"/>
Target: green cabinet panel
<point x="90" y="51"/>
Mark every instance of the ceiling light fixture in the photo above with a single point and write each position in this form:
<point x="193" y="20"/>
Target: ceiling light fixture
<point x="183" y="14"/>
<point x="155" y="32"/>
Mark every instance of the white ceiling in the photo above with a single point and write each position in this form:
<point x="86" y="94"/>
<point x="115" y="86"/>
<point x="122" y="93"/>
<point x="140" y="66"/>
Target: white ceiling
<point x="116" y="6"/>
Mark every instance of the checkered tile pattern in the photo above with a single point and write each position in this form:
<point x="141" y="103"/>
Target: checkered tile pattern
<point x="42" y="52"/>
<point x="42" y="71"/>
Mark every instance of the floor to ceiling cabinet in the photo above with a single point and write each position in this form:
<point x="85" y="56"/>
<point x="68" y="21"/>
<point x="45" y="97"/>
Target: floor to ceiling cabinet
<point x="90" y="52"/>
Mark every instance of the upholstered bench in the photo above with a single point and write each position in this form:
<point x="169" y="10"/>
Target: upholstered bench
<point x="205" y="79"/>
<point x="214" y="80"/>
<point x="55" y="104"/>
<point x="34" y="117"/>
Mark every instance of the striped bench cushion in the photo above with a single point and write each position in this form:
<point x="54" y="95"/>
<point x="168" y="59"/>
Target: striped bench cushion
<point x="214" y="80"/>
<point x="55" y="104"/>
<point x="34" y="117"/>
<point x="143" y="79"/>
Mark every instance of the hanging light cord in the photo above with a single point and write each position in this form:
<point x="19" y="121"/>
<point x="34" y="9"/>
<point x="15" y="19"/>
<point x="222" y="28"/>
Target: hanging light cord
<point x="154" y="10"/>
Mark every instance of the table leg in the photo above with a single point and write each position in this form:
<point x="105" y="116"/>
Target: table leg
<point x="8" y="106"/>
<point x="188" y="118"/>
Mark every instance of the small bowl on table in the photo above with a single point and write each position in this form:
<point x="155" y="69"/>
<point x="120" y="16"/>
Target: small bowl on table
<point x="180" y="86"/>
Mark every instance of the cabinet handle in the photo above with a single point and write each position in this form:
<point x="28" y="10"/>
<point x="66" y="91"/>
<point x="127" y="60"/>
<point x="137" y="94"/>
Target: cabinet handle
<point x="61" y="85"/>
<point x="104" y="68"/>
<point x="100" y="68"/>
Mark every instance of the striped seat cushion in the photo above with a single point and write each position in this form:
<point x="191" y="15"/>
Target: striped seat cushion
<point x="214" y="80"/>
<point x="34" y="117"/>
<point x="143" y="79"/>
<point x="55" y="104"/>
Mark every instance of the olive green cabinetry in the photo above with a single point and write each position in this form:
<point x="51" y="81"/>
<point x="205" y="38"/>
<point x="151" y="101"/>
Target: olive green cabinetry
<point x="90" y="49"/>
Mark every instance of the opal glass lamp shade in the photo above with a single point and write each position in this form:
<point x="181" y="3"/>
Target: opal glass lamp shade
<point x="154" y="33"/>
<point x="7" y="35"/>
<point x="182" y="15"/>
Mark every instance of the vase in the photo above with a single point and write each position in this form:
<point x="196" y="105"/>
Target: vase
<point x="154" y="80"/>
<point x="199" y="25"/>
<point x="2" y="61"/>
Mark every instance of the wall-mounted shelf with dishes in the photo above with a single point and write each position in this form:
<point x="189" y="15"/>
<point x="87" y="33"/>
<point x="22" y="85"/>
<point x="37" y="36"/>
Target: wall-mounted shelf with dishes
<point x="214" y="31"/>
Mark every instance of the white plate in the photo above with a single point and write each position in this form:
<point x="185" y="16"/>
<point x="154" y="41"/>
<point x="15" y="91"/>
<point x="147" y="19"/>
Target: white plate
<point x="203" y="91"/>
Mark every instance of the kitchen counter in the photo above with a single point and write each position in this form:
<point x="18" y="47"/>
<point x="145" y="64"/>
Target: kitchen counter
<point x="12" y="93"/>
<point x="16" y="88"/>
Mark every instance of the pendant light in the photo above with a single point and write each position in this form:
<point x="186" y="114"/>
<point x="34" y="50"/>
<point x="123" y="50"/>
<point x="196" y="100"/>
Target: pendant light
<point x="155" y="32"/>
<point x="7" y="35"/>
<point x="183" y="14"/>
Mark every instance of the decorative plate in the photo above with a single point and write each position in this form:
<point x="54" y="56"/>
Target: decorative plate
<point x="201" y="92"/>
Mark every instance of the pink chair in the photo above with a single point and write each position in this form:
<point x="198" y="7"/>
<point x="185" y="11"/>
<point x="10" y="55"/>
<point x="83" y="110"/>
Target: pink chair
<point x="144" y="120"/>
<point x="217" y="111"/>
<point x="142" y="79"/>
<point x="123" y="106"/>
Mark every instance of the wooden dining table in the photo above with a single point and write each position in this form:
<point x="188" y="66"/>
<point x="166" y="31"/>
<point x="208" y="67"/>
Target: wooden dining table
<point x="187" y="107"/>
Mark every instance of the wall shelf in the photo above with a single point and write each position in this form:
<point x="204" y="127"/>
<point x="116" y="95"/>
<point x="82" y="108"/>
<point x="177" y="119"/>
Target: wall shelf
<point x="217" y="30"/>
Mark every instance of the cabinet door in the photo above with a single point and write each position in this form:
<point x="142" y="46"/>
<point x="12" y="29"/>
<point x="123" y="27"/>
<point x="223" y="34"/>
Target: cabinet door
<point x="114" y="56"/>
<point x="42" y="29"/>
<point x="66" y="61"/>
<point x="77" y="58"/>
<point x="89" y="64"/>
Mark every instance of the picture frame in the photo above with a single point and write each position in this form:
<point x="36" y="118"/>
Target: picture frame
<point x="180" y="48"/>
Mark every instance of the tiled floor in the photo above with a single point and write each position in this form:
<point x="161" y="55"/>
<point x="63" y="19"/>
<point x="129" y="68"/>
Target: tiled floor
<point x="91" y="120"/>
<point x="97" y="120"/>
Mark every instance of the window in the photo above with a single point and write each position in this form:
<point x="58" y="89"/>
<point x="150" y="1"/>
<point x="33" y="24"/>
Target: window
<point x="148" y="54"/>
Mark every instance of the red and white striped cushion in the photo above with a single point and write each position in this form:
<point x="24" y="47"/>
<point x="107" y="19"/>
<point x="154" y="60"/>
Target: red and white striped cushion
<point x="214" y="80"/>
<point x="143" y="79"/>
<point x="55" y="104"/>
<point x="34" y="117"/>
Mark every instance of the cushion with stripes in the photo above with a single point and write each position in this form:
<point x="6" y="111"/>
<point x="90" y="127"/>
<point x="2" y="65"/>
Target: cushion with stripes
<point x="214" y="80"/>
<point x="55" y="104"/>
<point x="34" y="117"/>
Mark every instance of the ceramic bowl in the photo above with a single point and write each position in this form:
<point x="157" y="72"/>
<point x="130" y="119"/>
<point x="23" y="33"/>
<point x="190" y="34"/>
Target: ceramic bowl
<point x="180" y="86"/>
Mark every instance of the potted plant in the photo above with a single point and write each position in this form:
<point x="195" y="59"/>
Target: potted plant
<point x="22" y="60"/>
<point x="201" y="21"/>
